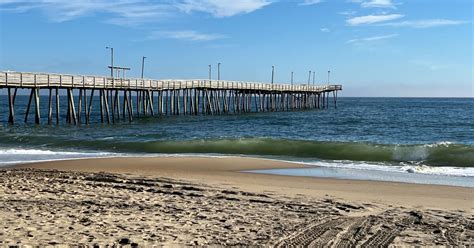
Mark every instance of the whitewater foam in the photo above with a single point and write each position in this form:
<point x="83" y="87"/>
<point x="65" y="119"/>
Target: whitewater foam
<point x="401" y="167"/>
<point x="20" y="156"/>
<point x="37" y="152"/>
<point x="10" y="157"/>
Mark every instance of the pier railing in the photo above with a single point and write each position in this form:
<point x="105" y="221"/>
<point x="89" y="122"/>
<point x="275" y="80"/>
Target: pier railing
<point x="43" y="80"/>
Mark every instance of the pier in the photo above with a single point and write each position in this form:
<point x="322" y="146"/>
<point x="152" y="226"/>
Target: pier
<point x="124" y="99"/>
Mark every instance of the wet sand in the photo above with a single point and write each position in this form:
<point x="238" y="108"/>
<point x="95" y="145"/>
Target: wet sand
<point x="210" y="201"/>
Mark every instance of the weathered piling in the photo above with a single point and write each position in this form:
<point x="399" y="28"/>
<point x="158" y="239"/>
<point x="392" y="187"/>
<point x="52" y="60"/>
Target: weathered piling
<point x="153" y="97"/>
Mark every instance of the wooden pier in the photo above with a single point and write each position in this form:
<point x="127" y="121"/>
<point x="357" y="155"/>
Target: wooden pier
<point x="115" y="99"/>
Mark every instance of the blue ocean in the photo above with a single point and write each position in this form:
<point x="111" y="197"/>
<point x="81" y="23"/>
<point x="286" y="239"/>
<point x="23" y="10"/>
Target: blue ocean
<point x="420" y="140"/>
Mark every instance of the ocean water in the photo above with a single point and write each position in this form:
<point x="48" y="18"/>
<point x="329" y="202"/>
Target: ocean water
<point x="423" y="136"/>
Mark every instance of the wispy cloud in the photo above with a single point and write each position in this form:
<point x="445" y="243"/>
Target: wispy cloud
<point x="184" y="35"/>
<point x="378" y="4"/>
<point x="129" y="12"/>
<point x="138" y="13"/>
<point x="123" y="11"/>
<point x="370" y="19"/>
<point x="309" y="2"/>
<point x="374" y="3"/>
<point x="222" y="8"/>
<point x="325" y="30"/>
<point x="429" y="23"/>
<point x="372" y="38"/>
<point x="14" y="6"/>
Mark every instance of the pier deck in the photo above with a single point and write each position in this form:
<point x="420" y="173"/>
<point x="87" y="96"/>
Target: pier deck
<point x="157" y="97"/>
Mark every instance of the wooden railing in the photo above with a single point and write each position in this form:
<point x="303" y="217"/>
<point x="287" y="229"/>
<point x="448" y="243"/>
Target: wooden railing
<point x="42" y="80"/>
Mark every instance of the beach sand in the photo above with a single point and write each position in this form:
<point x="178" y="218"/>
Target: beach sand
<point x="210" y="201"/>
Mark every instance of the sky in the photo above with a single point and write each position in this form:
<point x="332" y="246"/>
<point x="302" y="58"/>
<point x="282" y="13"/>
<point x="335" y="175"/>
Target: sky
<point x="379" y="48"/>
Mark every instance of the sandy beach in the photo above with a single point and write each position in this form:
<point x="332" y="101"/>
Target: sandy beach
<point x="210" y="201"/>
<point x="241" y="123"/>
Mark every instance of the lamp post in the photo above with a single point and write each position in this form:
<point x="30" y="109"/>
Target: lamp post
<point x="273" y="73"/>
<point x="292" y="78"/>
<point x="219" y="71"/>
<point x="309" y="78"/>
<point x="143" y="65"/>
<point x="111" y="63"/>
<point x="210" y="72"/>
<point x="329" y="73"/>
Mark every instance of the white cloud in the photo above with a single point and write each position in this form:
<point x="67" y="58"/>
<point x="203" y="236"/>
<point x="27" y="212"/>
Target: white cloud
<point x="429" y="23"/>
<point x="372" y="38"/>
<point x="13" y="6"/>
<point x="131" y="12"/>
<point x="378" y="4"/>
<point x="185" y="35"/>
<point x="309" y="2"/>
<point x="370" y="19"/>
<point x="374" y="3"/>
<point x="137" y="12"/>
<point x="325" y="30"/>
<point x="123" y="11"/>
<point x="222" y="8"/>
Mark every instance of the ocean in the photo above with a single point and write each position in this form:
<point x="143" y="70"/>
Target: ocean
<point x="427" y="140"/>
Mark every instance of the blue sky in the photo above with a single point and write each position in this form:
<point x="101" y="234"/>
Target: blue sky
<point x="372" y="47"/>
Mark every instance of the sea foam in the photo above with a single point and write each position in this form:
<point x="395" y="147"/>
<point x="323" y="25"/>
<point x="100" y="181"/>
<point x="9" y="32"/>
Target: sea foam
<point x="400" y="167"/>
<point x="20" y="156"/>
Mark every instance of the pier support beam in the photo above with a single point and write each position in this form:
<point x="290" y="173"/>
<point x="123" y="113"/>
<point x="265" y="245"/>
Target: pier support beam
<point x="37" y="107"/>
<point x="11" y="106"/>
<point x="29" y="105"/>
<point x="57" y="105"/>
<point x="88" y="117"/>
<point x="72" y="108"/>
<point x="50" y="107"/>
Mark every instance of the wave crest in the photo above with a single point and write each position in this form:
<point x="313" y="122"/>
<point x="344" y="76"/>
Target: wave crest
<point x="440" y="154"/>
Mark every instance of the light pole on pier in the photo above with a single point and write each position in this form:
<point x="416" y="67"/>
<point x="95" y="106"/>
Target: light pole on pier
<point x="273" y="73"/>
<point x="329" y="73"/>
<point x="309" y="78"/>
<point x="111" y="63"/>
<point x="210" y="72"/>
<point x="219" y="71"/>
<point x="292" y="78"/>
<point x="143" y="65"/>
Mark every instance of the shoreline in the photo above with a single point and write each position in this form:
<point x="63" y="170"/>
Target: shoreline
<point x="202" y="201"/>
<point x="233" y="170"/>
<point x="361" y="166"/>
